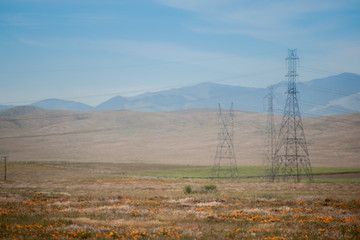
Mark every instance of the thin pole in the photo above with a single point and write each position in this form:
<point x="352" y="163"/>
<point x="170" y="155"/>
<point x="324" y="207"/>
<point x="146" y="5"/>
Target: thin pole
<point x="5" y="158"/>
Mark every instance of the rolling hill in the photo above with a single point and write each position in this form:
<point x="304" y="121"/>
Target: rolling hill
<point x="183" y="137"/>
<point x="58" y="104"/>
<point x="332" y="95"/>
<point x="320" y="97"/>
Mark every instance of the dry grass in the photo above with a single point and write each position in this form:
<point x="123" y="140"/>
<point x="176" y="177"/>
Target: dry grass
<point x="40" y="206"/>
<point x="176" y="138"/>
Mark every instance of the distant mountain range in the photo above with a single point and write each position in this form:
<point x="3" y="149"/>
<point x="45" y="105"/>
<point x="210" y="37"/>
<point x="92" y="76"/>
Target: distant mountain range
<point x="320" y="97"/>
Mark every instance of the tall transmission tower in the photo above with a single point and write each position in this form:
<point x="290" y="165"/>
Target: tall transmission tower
<point x="269" y="144"/>
<point x="291" y="156"/>
<point x="225" y="161"/>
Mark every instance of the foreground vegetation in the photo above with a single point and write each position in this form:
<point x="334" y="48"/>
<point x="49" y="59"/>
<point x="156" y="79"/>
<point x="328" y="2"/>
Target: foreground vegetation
<point x="69" y="203"/>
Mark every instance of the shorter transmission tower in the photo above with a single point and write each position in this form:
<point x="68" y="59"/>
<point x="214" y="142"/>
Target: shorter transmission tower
<point x="269" y="144"/>
<point x="225" y="161"/>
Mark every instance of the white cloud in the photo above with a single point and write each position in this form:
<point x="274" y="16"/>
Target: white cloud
<point x="259" y="18"/>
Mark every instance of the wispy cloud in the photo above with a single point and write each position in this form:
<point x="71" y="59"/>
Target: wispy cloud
<point x="195" y="6"/>
<point x="91" y="18"/>
<point x="31" y="42"/>
<point x="18" y="19"/>
<point x="262" y="19"/>
<point x="205" y="62"/>
<point x="163" y="60"/>
<point x="256" y="12"/>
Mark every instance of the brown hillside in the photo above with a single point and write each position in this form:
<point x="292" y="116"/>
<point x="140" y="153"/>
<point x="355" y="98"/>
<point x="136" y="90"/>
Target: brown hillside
<point x="187" y="137"/>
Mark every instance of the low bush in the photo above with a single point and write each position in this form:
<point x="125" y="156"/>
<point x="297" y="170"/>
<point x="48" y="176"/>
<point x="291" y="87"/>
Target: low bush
<point x="187" y="189"/>
<point x="210" y="187"/>
<point x="203" y="189"/>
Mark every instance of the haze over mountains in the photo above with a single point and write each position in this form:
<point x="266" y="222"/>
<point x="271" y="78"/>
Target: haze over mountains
<point x="332" y="95"/>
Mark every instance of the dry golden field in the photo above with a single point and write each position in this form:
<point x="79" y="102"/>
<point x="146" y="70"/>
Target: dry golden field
<point x="93" y="201"/>
<point x="188" y="137"/>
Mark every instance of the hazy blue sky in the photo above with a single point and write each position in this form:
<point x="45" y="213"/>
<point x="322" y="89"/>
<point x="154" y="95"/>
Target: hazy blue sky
<point x="91" y="50"/>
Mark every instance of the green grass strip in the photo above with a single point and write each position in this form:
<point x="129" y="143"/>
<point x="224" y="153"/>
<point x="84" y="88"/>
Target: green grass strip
<point x="243" y="172"/>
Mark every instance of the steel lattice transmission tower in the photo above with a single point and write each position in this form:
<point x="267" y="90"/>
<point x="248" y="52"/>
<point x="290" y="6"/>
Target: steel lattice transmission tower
<point x="269" y="144"/>
<point x="225" y="161"/>
<point x="291" y="157"/>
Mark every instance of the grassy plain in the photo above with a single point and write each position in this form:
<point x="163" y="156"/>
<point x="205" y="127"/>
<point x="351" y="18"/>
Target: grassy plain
<point x="122" y="175"/>
<point x="65" y="200"/>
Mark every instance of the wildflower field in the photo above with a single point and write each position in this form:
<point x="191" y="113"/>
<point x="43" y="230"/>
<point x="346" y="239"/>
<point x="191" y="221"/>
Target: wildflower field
<point x="48" y="202"/>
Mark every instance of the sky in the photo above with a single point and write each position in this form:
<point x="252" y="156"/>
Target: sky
<point x="92" y="50"/>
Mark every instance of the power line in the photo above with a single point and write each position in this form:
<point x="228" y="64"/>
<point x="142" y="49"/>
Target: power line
<point x="332" y="108"/>
<point x="326" y="72"/>
<point x="332" y="91"/>
<point x="60" y="134"/>
<point x="328" y="118"/>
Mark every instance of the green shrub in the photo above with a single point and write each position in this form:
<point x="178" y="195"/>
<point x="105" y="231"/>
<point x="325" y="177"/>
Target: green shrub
<point x="203" y="189"/>
<point x="210" y="187"/>
<point x="187" y="189"/>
